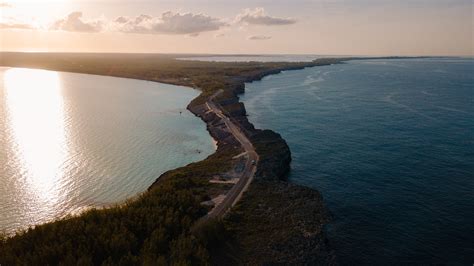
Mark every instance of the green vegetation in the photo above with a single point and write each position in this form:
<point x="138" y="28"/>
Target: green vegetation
<point x="154" y="229"/>
<point x="216" y="163"/>
<point x="275" y="223"/>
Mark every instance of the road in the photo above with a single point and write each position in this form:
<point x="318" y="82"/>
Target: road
<point x="235" y="193"/>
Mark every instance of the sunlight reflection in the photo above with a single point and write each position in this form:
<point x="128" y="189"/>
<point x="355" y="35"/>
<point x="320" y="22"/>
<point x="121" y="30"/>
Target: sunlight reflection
<point x="35" y="110"/>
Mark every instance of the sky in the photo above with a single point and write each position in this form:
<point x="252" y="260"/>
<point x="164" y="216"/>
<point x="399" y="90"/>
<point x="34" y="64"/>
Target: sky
<point x="324" y="27"/>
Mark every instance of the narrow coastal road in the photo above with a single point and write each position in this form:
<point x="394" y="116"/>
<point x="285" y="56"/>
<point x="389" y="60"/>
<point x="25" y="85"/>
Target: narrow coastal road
<point x="235" y="193"/>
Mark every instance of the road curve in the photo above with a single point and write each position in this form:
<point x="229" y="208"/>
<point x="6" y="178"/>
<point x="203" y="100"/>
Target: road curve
<point x="235" y="193"/>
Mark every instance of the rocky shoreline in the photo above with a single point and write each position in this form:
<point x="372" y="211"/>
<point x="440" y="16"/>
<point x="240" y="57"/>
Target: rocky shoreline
<point x="302" y="207"/>
<point x="273" y="167"/>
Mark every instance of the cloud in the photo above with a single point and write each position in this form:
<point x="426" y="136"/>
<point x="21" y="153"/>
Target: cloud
<point x="7" y="22"/>
<point x="5" y="4"/>
<point x="169" y="23"/>
<point x="257" y="16"/>
<point x="74" y="22"/>
<point x="259" y="37"/>
<point x="172" y="23"/>
<point x="12" y="25"/>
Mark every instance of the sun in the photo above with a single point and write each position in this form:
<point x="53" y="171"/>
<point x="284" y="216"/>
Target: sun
<point x="12" y="4"/>
<point x="37" y="12"/>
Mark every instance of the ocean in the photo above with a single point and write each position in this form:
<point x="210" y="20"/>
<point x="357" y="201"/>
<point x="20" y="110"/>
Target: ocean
<point x="390" y="145"/>
<point x="70" y="142"/>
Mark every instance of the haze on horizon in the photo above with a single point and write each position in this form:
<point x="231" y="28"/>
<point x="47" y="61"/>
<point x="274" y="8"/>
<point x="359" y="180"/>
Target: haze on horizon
<point x="333" y="27"/>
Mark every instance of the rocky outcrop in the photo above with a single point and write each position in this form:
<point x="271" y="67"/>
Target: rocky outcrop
<point x="279" y="223"/>
<point x="215" y="125"/>
<point x="275" y="155"/>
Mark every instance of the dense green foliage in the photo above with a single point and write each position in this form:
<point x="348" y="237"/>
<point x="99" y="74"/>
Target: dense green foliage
<point x="154" y="229"/>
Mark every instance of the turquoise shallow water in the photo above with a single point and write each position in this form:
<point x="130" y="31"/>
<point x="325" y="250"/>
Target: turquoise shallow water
<point x="72" y="141"/>
<point x="390" y="144"/>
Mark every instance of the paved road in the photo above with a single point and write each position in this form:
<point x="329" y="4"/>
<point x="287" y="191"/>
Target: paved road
<point x="235" y="193"/>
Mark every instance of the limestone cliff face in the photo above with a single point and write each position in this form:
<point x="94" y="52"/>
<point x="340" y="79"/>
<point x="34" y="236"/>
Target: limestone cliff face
<point x="276" y="222"/>
<point x="275" y="155"/>
<point x="214" y="125"/>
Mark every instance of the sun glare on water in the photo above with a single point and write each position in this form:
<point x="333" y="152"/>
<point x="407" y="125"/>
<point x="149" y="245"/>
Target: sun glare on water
<point x="35" y="112"/>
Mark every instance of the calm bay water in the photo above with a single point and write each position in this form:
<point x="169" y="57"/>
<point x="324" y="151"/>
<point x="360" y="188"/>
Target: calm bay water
<point x="390" y="144"/>
<point x="71" y="141"/>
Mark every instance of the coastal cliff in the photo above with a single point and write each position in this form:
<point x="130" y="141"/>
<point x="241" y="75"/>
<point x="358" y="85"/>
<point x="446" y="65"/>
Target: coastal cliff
<point x="275" y="221"/>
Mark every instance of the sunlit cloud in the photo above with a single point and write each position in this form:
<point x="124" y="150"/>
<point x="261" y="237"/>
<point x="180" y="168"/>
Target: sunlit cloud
<point x="259" y="37"/>
<point x="4" y="25"/>
<point x="169" y="23"/>
<point x="15" y="23"/>
<point x="74" y="22"/>
<point x="5" y="5"/>
<point x="257" y="16"/>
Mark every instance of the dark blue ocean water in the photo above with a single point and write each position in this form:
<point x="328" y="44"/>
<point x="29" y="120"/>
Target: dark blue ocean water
<point x="390" y="145"/>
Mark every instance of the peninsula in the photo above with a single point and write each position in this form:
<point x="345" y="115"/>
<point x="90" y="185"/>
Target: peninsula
<point x="235" y="207"/>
